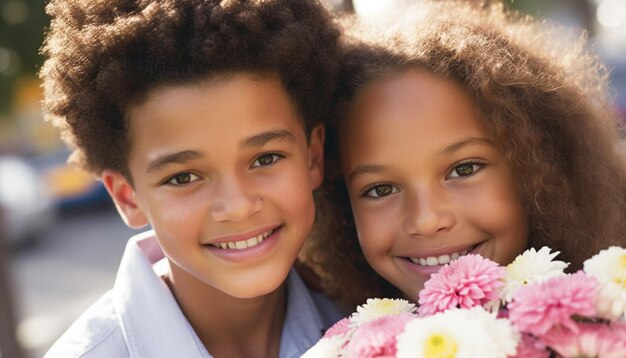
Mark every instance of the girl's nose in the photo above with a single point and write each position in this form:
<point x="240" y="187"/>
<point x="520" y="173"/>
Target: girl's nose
<point x="428" y="213"/>
<point x="232" y="200"/>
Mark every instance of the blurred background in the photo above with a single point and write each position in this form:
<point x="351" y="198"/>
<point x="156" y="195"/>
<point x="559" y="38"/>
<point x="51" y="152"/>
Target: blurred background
<point x="61" y="239"/>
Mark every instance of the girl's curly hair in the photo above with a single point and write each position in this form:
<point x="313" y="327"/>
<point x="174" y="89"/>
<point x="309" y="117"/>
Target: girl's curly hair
<point x="103" y="55"/>
<point x="542" y="97"/>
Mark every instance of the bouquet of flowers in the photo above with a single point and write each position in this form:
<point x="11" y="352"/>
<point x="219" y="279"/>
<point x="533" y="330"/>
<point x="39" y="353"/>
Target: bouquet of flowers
<point x="475" y="308"/>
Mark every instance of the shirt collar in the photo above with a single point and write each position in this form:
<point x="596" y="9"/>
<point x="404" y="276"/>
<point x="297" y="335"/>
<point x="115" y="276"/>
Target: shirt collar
<point x="303" y="325"/>
<point x="154" y="325"/>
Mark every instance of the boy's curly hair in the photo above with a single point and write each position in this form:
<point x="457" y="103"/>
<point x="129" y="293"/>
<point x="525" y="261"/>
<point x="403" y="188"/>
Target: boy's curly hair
<point x="104" y="55"/>
<point x="542" y="97"/>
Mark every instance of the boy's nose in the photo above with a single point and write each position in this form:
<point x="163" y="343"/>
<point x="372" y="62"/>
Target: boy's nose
<point x="428" y="214"/>
<point x="233" y="201"/>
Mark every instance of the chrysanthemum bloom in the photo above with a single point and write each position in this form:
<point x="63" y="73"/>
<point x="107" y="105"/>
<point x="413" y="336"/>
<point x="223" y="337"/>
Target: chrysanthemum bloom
<point x="609" y="268"/>
<point x="469" y="281"/>
<point x="455" y="333"/>
<point x="375" y="308"/>
<point x="538" y="307"/>
<point x="501" y="329"/>
<point x="591" y="340"/>
<point x="339" y="328"/>
<point x="531" y="266"/>
<point x="531" y="347"/>
<point x="378" y="337"/>
<point x="326" y="348"/>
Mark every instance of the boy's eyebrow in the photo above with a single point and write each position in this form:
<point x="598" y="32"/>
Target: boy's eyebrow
<point x="179" y="157"/>
<point x="465" y="142"/>
<point x="261" y="139"/>
<point x="365" y="169"/>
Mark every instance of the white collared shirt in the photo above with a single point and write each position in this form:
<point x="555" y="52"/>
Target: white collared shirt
<point x="139" y="317"/>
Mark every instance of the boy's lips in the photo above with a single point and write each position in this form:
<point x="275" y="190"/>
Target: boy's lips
<point x="243" y="241"/>
<point x="250" y="252"/>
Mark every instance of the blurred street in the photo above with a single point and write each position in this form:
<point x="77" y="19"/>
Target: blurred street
<point x="80" y="236"/>
<point x="61" y="274"/>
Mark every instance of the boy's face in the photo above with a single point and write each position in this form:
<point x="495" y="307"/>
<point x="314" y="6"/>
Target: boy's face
<point x="426" y="184"/>
<point x="223" y="173"/>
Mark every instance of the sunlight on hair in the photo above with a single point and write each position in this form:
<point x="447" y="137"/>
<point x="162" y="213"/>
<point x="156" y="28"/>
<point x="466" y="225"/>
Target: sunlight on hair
<point x="374" y="11"/>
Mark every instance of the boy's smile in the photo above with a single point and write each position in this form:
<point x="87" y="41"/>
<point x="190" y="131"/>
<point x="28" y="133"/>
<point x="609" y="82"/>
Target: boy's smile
<point x="426" y="183"/>
<point x="223" y="172"/>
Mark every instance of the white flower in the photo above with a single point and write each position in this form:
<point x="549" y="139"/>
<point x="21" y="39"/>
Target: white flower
<point x="326" y="348"/>
<point x="378" y="307"/>
<point x="608" y="267"/>
<point x="531" y="266"/>
<point x="458" y="333"/>
<point x="502" y="331"/>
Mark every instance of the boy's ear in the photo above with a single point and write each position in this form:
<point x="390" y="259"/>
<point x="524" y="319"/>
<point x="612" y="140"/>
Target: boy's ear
<point x="123" y="196"/>
<point x="316" y="155"/>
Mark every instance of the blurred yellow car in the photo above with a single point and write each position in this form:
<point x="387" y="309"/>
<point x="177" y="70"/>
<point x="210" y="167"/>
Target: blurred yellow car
<point x="69" y="186"/>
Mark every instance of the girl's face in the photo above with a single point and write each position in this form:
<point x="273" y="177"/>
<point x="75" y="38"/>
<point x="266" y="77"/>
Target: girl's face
<point x="426" y="183"/>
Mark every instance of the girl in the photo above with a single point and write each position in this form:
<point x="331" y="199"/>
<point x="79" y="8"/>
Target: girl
<point x="473" y="130"/>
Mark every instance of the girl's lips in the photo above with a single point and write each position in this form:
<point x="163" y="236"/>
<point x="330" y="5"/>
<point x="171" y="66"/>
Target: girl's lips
<point x="250" y="252"/>
<point x="443" y="257"/>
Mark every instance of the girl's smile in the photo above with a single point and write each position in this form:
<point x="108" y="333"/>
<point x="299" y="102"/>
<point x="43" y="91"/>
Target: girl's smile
<point x="426" y="183"/>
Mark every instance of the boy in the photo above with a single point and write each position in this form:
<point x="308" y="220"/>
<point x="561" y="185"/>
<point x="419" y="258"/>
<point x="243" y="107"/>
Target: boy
<point x="202" y="120"/>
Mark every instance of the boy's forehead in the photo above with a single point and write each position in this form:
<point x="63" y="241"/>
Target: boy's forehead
<point x="242" y="110"/>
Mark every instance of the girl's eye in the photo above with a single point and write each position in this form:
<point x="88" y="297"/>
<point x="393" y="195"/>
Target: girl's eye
<point x="267" y="159"/>
<point x="380" y="190"/>
<point x="465" y="169"/>
<point x="183" y="179"/>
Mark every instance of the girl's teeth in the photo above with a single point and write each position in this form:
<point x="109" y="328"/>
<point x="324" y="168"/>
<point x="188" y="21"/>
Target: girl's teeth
<point x="244" y="244"/>
<point x="444" y="259"/>
<point x="439" y="260"/>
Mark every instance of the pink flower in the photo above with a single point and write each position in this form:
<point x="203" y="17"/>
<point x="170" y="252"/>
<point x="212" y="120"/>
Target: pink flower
<point x="591" y="340"/>
<point x="341" y="327"/>
<point x="378" y="337"/>
<point x="531" y="347"/>
<point x="538" y="307"/>
<point x="466" y="282"/>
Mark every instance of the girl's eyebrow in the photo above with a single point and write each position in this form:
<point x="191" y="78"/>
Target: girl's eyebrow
<point x="365" y="169"/>
<point x="261" y="139"/>
<point x="464" y="143"/>
<point x="373" y="169"/>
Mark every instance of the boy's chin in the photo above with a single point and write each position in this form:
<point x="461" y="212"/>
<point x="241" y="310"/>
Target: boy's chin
<point x="256" y="286"/>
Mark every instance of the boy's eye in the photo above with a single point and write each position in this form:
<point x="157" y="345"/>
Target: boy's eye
<point x="465" y="170"/>
<point x="183" y="178"/>
<point x="265" y="160"/>
<point x="380" y="190"/>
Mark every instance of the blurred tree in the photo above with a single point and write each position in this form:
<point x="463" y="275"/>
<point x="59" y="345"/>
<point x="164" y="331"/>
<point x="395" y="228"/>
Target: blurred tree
<point x="22" y="24"/>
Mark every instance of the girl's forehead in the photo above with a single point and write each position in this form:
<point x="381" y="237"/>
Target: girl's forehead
<point x="414" y="112"/>
<point x="413" y="94"/>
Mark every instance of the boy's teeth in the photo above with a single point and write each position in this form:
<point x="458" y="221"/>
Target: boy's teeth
<point x="437" y="260"/>
<point x="244" y="244"/>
